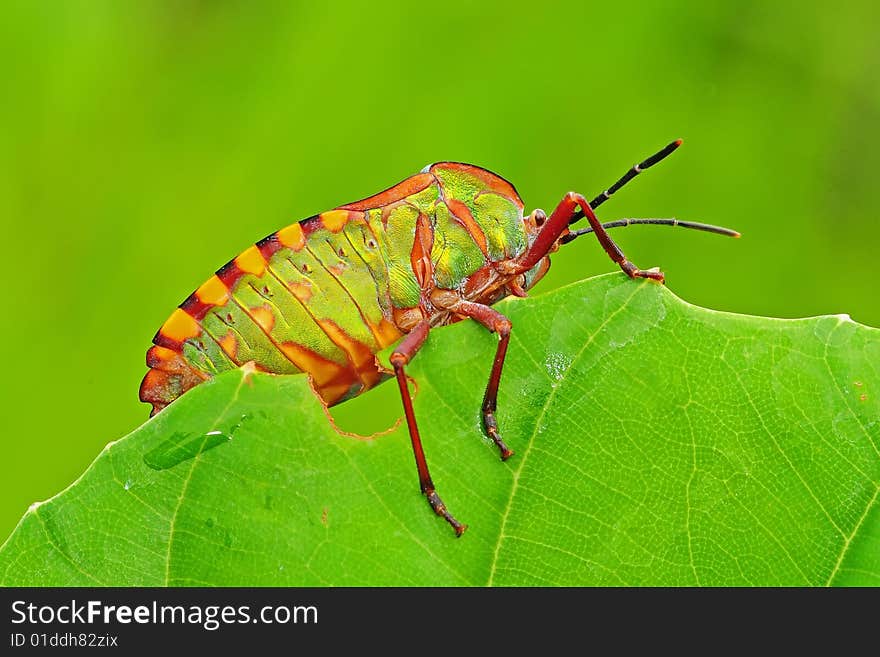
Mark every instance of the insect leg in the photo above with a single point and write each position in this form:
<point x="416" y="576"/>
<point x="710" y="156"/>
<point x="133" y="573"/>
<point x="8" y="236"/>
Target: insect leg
<point x="497" y="323"/>
<point x="402" y="355"/>
<point x="557" y="224"/>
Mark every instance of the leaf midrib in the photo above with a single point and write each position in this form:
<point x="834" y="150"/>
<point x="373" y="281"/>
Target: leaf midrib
<point x="196" y="460"/>
<point x="505" y="515"/>
<point x="848" y="542"/>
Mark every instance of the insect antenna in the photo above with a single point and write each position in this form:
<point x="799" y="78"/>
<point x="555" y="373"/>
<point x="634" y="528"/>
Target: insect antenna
<point x="635" y="170"/>
<point x="665" y="221"/>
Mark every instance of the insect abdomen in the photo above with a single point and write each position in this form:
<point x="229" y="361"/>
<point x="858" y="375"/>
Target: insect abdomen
<point x="302" y="300"/>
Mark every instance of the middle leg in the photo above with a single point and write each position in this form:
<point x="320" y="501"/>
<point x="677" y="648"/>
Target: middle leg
<point x="497" y="323"/>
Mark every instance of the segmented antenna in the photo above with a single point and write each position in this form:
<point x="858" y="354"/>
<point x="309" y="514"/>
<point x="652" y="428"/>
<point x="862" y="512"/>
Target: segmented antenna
<point x="635" y="170"/>
<point x="666" y="221"/>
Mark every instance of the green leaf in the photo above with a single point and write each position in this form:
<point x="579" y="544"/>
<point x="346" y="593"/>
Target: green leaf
<point x="657" y="443"/>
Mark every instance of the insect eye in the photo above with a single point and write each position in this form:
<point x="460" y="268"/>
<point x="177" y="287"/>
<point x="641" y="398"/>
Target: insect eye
<point x="371" y="243"/>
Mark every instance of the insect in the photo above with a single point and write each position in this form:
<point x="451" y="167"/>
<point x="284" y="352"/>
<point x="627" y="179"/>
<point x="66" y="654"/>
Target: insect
<point x="324" y="295"/>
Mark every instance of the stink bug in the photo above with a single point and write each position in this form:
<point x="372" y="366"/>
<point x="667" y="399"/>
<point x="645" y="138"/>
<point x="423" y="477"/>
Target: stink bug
<point x="324" y="295"/>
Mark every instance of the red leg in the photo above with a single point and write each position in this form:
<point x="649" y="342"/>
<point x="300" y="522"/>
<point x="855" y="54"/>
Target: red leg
<point x="558" y="223"/>
<point x="497" y="323"/>
<point x="399" y="358"/>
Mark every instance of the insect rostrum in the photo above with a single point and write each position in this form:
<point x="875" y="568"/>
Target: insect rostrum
<point x="324" y="295"/>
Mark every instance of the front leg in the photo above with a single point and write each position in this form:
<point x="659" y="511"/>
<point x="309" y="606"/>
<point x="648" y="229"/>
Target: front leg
<point x="557" y="225"/>
<point x="497" y="323"/>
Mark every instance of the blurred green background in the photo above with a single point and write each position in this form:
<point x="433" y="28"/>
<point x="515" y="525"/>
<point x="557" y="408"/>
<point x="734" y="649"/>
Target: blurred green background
<point x="144" y="144"/>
